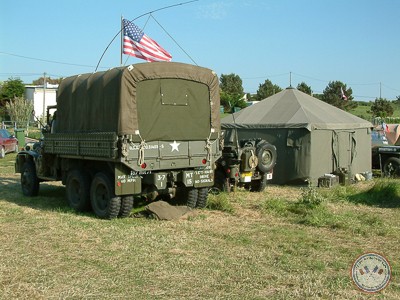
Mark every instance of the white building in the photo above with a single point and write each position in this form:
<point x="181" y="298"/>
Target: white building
<point x="35" y="93"/>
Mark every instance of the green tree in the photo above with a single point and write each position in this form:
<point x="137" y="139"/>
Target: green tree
<point x="9" y="89"/>
<point x="231" y="101"/>
<point x="334" y="96"/>
<point x="40" y="81"/>
<point x="303" y="87"/>
<point x="19" y="110"/>
<point x="231" y="91"/>
<point x="231" y="84"/>
<point x="382" y="108"/>
<point x="12" y="88"/>
<point x="267" y="89"/>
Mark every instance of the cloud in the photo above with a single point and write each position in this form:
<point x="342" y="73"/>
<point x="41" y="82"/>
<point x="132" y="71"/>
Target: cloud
<point x="215" y="11"/>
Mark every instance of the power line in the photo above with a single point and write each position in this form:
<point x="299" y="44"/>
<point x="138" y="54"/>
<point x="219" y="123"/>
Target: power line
<point x="246" y="78"/>
<point x="267" y="76"/>
<point x="147" y="13"/>
<point x="309" y="77"/>
<point x="174" y="40"/>
<point x="20" y="74"/>
<point x="31" y="74"/>
<point x="48" y="61"/>
<point x="390" y="88"/>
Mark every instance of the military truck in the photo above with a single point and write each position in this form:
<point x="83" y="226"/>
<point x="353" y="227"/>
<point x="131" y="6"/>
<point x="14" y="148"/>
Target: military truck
<point x="247" y="163"/>
<point x="387" y="159"/>
<point x="150" y="130"/>
<point x="384" y="156"/>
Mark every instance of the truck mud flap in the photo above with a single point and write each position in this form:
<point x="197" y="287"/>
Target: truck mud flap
<point x="126" y="183"/>
<point x="158" y="179"/>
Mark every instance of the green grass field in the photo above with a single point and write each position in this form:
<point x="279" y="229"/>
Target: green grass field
<point x="284" y="243"/>
<point x="363" y="110"/>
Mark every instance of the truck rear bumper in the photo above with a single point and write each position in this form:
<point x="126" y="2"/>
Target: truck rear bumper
<point x="129" y="182"/>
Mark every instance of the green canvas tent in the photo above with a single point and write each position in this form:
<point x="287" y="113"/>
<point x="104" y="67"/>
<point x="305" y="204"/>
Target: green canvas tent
<point x="312" y="137"/>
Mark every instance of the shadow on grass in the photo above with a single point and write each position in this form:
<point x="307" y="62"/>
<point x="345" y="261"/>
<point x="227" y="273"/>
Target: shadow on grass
<point x="385" y="193"/>
<point x="51" y="196"/>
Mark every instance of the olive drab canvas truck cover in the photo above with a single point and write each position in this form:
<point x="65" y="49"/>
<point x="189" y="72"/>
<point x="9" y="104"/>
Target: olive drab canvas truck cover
<point x="110" y="102"/>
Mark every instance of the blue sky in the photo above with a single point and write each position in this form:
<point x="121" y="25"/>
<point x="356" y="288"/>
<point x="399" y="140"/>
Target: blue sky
<point x="354" y="41"/>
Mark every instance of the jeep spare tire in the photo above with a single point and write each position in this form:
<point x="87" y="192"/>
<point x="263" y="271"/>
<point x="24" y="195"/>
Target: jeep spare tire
<point x="266" y="154"/>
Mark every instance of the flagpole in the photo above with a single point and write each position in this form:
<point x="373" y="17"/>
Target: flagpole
<point x="122" y="38"/>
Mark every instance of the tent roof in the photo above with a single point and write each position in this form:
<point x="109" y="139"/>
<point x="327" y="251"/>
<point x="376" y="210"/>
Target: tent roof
<point x="292" y="108"/>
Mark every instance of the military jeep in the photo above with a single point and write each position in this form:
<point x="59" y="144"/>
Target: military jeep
<point x="245" y="163"/>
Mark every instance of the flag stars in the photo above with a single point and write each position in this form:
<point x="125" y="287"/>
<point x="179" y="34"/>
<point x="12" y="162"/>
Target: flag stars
<point x="134" y="32"/>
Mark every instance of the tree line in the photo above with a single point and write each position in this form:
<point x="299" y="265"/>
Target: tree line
<point x="14" y="107"/>
<point x="336" y="93"/>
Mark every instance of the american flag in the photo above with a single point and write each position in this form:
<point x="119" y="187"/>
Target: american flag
<point x="344" y="97"/>
<point x="137" y="44"/>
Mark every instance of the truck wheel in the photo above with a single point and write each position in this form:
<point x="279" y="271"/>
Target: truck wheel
<point x="78" y="190"/>
<point x="259" y="185"/>
<point x="187" y="195"/>
<point x="220" y="183"/>
<point x="126" y="206"/>
<point x="202" y="198"/>
<point x="192" y="196"/>
<point x="266" y="154"/>
<point x="102" y="197"/>
<point x="29" y="179"/>
<point x="391" y="168"/>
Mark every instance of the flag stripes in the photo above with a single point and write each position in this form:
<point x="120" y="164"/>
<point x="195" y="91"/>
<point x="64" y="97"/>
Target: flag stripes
<point x="139" y="45"/>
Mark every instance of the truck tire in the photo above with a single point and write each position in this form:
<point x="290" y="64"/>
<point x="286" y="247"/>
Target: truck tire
<point x="259" y="185"/>
<point x="192" y="196"/>
<point x="187" y="195"/>
<point x="391" y="168"/>
<point x="266" y="154"/>
<point x="78" y="190"/>
<point x="102" y="197"/>
<point x="202" y="198"/>
<point x="126" y="206"/>
<point x="221" y="183"/>
<point x="29" y="179"/>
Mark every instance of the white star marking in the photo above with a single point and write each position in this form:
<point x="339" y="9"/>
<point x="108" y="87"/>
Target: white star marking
<point x="175" y="146"/>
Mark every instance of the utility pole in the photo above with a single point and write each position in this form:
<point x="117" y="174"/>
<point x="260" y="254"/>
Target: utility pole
<point x="380" y="90"/>
<point x="44" y="98"/>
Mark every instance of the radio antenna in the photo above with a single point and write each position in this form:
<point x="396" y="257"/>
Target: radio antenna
<point x="147" y="13"/>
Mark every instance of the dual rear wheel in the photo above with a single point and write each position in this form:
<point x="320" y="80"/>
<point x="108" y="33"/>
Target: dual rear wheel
<point x="192" y="197"/>
<point x="98" y="193"/>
